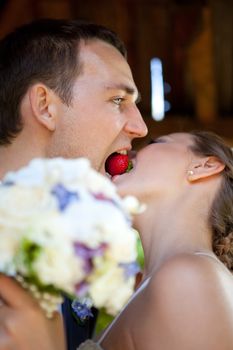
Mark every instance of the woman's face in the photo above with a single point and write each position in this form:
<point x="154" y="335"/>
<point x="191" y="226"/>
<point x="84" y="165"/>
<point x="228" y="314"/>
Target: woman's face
<point x="159" y="168"/>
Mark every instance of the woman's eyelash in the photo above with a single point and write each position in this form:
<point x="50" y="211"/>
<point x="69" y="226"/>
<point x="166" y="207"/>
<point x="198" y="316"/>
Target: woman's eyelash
<point x="151" y="142"/>
<point x="159" y="140"/>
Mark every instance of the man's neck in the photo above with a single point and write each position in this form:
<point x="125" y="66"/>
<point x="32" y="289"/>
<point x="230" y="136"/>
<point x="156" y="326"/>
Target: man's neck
<point x="17" y="155"/>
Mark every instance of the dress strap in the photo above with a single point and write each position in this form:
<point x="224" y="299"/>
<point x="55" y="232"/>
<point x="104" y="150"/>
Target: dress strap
<point x="208" y="254"/>
<point x="89" y="345"/>
<point x="140" y="288"/>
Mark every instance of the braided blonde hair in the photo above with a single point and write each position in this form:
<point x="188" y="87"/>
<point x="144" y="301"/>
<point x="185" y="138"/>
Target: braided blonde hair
<point x="221" y="212"/>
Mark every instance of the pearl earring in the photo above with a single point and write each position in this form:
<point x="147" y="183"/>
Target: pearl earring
<point x="190" y="172"/>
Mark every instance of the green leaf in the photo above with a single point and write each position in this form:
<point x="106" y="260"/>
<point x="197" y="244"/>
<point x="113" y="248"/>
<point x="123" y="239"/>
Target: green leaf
<point x="27" y="254"/>
<point x="103" y="321"/>
<point x="130" y="167"/>
<point x="24" y="260"/>
<point x="140" y="257"/>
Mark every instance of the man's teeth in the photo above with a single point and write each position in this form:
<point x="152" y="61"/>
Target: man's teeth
<point x="122" y="152"/>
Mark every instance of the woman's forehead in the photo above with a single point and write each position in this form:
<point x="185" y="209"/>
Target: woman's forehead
<point x="182" y="137"/>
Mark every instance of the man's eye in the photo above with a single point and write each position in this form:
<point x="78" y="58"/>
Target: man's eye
<point x="118" y="100"/>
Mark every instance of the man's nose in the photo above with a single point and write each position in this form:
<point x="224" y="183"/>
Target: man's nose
<point x="135" y="125"/>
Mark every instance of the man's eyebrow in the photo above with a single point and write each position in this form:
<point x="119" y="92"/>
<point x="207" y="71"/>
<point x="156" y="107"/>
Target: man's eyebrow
<point x="128" y="89"/>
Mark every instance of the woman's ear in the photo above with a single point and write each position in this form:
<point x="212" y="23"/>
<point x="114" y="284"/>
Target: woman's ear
<point x="204" y="167"/>
<point x="42" y="101"/>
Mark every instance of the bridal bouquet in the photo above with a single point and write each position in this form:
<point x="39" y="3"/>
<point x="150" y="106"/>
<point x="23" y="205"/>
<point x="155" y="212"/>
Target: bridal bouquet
<point x="65" y="230"/>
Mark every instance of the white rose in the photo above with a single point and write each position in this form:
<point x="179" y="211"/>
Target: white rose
<point x="59" y="267"/>
<point x="57" y="263"/>
<point x="9" y="244"/>
<point x="97" y="183"/>
<point x="49" y="171"/>
<point x="30" y="175"/>
<point x="67" y="171"/>
<point x="132" y="205"/>
<point x="19" y="204"/>
<point x="122" y="248"/>
<point x="111" y="290"/>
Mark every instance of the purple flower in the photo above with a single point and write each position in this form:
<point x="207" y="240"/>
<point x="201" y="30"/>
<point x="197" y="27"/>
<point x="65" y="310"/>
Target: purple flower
<point x="64" y="197"/>
<point x="8" y="183"/>
<point x="87" y="254"/>
<point x="130" y="269"/>
<point x="102" y="197"/>
<point x="81" y="310"/>
<point x="81" y="289"/>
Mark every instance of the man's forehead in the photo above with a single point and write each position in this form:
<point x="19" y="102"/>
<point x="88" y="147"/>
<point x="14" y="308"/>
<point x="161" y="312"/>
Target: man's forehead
<point x="128" y="88"/>
<point x="99" y="50"/>
<point x="107" y="66"/>
<point x="99" y="56"/>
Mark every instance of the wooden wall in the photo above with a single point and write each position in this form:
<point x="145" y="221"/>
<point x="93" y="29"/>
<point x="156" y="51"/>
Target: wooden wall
<point x="193" y="38"/>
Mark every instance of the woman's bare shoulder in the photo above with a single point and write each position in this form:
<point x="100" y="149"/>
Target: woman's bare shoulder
<point x="185" y="301"/>
<point x="185" y="271"/>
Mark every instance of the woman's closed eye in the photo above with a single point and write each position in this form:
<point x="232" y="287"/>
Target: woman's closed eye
<point x="157" y="140"/>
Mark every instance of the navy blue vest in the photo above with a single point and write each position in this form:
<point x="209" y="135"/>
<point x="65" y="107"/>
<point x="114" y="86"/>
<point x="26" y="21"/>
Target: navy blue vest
<point x="76" y="333"/>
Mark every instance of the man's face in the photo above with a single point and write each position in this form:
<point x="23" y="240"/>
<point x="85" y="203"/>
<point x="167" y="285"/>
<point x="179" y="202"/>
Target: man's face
<point x="103" y="117"/>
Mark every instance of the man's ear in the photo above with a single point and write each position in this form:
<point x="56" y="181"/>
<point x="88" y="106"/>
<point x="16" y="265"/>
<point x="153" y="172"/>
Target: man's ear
<point x="204" y="167"/>
<point x="42" y="101"/>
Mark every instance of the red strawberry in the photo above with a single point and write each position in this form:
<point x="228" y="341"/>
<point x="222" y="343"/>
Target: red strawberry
<point x="117" y="164"/>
